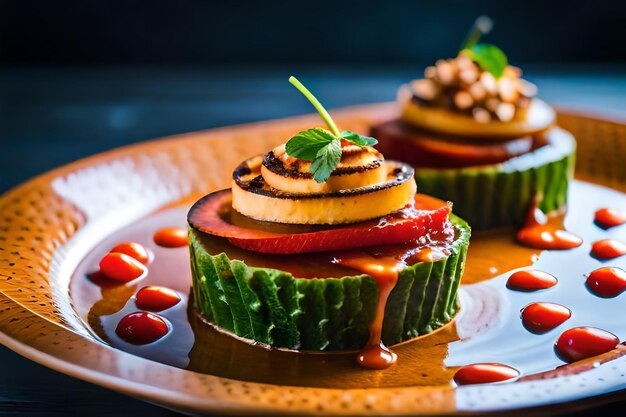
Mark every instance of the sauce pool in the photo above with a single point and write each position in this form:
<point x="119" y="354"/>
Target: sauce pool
<point x="431" y="360"/>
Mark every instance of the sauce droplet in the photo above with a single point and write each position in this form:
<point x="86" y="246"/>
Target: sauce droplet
<point x="530" y="280"/>
<point x="607" y="282"/>
<point x="542" y="316"/>
<point x="141" y="328"/>
<point x="171" y="237"/>
<point x="538" y="234"/>
<point x="154" y="298"/>
<point x="132" y="249"/>
<point x="609" y="217"/>
<point x="376" y="357"/>
<point x="484" y="373"/>
<point x="608" y="249"/>
<point x="584" y="342"/>
<point x="121" y="267"/>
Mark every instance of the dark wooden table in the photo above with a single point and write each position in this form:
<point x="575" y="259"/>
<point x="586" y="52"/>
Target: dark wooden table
<point x="52" y="116"/>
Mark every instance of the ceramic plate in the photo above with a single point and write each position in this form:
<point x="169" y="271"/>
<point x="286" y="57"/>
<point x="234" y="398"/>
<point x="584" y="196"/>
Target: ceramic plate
<point x="53" y="227"/>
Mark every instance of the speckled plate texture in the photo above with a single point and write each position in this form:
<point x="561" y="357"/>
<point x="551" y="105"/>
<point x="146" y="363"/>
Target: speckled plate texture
<point x="50" y="223"/>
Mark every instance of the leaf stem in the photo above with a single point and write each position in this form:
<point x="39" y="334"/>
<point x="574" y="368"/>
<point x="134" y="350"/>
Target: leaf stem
<point x="482" y="26"/>
<point x="318" y="106"/>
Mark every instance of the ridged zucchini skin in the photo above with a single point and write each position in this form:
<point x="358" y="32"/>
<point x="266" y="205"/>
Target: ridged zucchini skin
<point x="498" y="196"/>
<point x="275" y="308"/>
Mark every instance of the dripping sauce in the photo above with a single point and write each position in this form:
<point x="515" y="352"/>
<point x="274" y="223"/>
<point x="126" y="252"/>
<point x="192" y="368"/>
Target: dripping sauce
<point x="538" y="233"/>
<point x="375" y="355"/>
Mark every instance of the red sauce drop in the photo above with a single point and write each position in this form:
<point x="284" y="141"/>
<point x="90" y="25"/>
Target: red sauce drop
<point x="530" y="280"/>
<point x="610" y="217"/>
<point x="584" y="342"/>
<point x="141" y="328"/>
<point x="484" y="373"/>
<point x="154" y="298"/>
<point x="608" y="249"/>
<point x="607" y="282"/>
<point x="121" y="267"/>
<point x="542" y="317"/>
<point x="132" y="249"/>
<point x="538" y="234"/>
<point x="171" y="237"/>
<point x="375" y="355"/>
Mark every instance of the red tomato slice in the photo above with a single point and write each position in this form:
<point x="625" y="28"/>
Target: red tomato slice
<point x="429" y="217"/>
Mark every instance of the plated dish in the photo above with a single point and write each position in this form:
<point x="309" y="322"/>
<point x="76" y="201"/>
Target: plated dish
<point x="153" y="185"/>
<point x="316" y="270"/>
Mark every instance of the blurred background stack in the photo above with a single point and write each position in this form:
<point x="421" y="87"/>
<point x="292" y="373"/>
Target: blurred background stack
<point x="80" y="77"/>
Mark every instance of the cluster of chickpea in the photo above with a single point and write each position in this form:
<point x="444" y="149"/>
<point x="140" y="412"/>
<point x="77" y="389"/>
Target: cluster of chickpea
<point x="475" y="90"/>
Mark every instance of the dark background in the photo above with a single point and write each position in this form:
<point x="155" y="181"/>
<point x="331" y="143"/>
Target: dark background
<point x="80" y="77"/>
<point x="363" y="32"/>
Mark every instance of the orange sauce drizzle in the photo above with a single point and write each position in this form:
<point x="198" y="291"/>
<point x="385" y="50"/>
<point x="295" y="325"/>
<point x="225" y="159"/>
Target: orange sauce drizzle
<point x="385" y="270"/>
<point x="538" y="233"/>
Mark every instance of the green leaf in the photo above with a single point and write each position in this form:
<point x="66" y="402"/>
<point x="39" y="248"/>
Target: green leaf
<point x="307" y="144"/>
<point x="489" y="57"/>
<point x="326" y="161"/>
<point x="358" y="139"/>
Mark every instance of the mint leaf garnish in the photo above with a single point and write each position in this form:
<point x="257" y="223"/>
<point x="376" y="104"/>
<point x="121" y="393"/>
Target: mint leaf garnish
<point x="358" y="139"/>
<point x="308" y="143"/>
<point x="326" y="161"/>
<point x="488" y="57"/>
<point x="321" y="147"/>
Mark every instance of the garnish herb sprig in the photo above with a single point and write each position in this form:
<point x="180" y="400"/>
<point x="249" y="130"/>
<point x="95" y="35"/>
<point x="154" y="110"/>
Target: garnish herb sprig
<point x="320" y="146"/>
<point x="488" y="57"/>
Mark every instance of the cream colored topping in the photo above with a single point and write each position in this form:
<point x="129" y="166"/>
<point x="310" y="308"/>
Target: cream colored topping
<point x="280" y="188"/>
<point x="537" y="117"/>
<point x="359" y="166"/>
<point x="372" y="202"/>
<point x="459" y="85"/>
